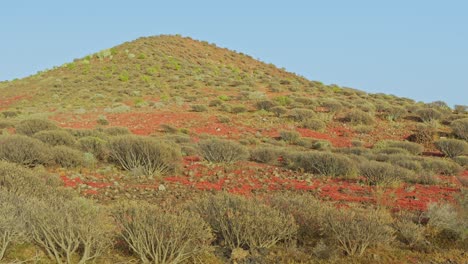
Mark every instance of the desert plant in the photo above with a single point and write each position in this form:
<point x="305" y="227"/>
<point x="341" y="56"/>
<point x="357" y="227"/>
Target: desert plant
<point x="393" y="113"/>
<point x="358" y="117"/>
<point x="55" y="137"/>
<point x="354" y="230"/>
<point x="95" y="146"/>
<point x="452" y="147"/>
<point x="265" y="105"/>
<point x="237" y="109"/>
<point x="157" y="236"/>
<point x="322" y="163"/>
<point x="70" y="231"/>
<point x="199" y="108"/>
<point x="245" y="223"/>
<point x="67" y="157"/>
<point x="30" y="127"/>
<point x="383" y="174"/>
<point x="411" y="147"/>
<point x="313" y="124"/>
<point x="410" y="233"/>
<point x="429" y="114"/>
<point x="144" y="155"/>
<point x="460" y="128"/>
<point x="462" y="161"/>
<point x="24" y="150"/>
<point x="220" y="150"/>
<point x="11" y="225"/>
<point x="441" y="166"/>
<point x="301" y="114"/>
<point x="265" y="154"/>
<point x="289" y="136"/>
<point x="279" y="110"/>
<point x="116" y="131"/>
<point x="444" y="217"/>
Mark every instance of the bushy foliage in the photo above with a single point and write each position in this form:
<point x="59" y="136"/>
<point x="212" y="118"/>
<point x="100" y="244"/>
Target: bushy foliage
<point x="116" y="131"/>
<point x="358" y="117"/>
<point x="322" y="163"/>
<point x="279" y="110"/>
<point x="70" y="231"/>
<point x="11" y="227"/>
<point x="220" y="150"/>
<point x="444" y="217"/>
<point x="289" y="136"/>
<point x="383" y="174"/>
<point x="460" y="128"/>
<point x="429" y="114"/>
<point x="301" y="114"/>
<point x="265" y="154"/>
<point x="30" y="127"/>
<point x="441" y="166"/>
<point x="313" y="124"/>
<point x="452" y="147"/>
<point x="67" y="157"/>
<point x="55" y="137"/>
<point x="24" y="150"/>
<point x="393" y="113"/>
<point x="354" y="230"/>
<point x="244" y="223"/>
<point x="144" y="155"/>
<point x="157" y="236"/>
<point x="199" y="108"/>
<point x="95" y="146"/>
<point x="265" y="105"/>
<point x="411" y="147"/>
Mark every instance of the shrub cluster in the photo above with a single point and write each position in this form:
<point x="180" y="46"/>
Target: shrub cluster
<point x="30" y="127"/>
<point x="358" y="117"/>
<point x="452" y="147"/>
<point x="322" y="163"/>
<point x="55" y="137"/>
<point x="222" y="151"/>
<point x="460" y="128"/>
<point x="383" y="174"/>
<point x="24" y="150"/>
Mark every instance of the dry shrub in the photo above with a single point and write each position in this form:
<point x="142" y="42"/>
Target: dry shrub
<point x="301" y="114"/>
<point x="156" y="236"/>
<point x="383" y="174"/>
<point x="55" y="137"/>
<point x="245" y="223"/>
<point x="265" y="154"/>
<point x="441" y="166"/>
<point x="67" y="157"/>
<point x="70" y="231"/>
<point x="393" y="113"/>
<point x="289" y="136"/>
<point x="222" y="151"/>
<point x="308" y="212"/>
<point x="410" y="233"/>
<point x="429" y="114"/>
<point x="24" y="150"/>
<point x="322" y="163"/>
<point x="354" y="230"/>
<point x="462" y="161"/>
<point x="145" y="155"/>
<point x="424" y="134"/>
<point x="199" y="108"/>
<point x="95" y="146"/>
<point x="265" y="105"/>
<point x="460" y="128"/>
<point x="411" y="147"/>
<point x="11" y="225"/>
<point x="116" y="131"/>
<point x="30" y="127"/>
<point x="452" y="147"/>
<point x="314" y="124"/>
<point x="446" y="220"/>
<point x="358" y="117"/>
<point x="278" y="110"/>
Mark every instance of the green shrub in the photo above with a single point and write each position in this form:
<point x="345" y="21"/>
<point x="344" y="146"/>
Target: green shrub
<point x="199" y="108"/>
<point x="410" y="233"/>
<point x="156" y="236"/>
<point x="215" y="102"/>
<point x="354" y="230"/>
<point x="301" y="114"/>
<point x="460" y="128"/>
<point x="55" y="137"/>
<point x="245" y="223"/>
<point x="393" y="113"/>
<point x="383" y="174"/>
<point x="95" y="146"/>
<point x="265" y="105"/>
<point x="30" y="127"/>
<point x="452" y="147"/>
<point x="391" y="151"/>
<point x="11" y="226"/>
<point x="289" y="136"/>
<point x="6" y="124"/>
<point x="322" y="163"/>
<point x="24" y="150"/>
<point x="220" y="150"/>
<point x="462" y="161"/>
<point x="411" y="147"/>
<point x="70" y="231"/>
<point x="144" y="155"/>
<point x="264" y="154"/>
<point x="429" y="114"/>
<point x="321" y="145"/>
<point x="444" y="218"/>
<point x="67" y="157"/>
<point x="331" y="105"/>
<point x="358" y="117"/>
<point x="237" y="109"/>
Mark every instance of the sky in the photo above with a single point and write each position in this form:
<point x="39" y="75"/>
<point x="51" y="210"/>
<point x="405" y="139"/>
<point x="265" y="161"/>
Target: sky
<point x="411" y="48"/>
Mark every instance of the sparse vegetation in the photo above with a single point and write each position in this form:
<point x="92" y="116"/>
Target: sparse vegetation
<point x="219" y="150"/>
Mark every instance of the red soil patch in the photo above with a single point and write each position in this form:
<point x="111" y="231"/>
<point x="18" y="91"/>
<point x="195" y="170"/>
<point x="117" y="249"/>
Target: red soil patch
<point x="334" y="135"/>
<point x="5" y="103"/>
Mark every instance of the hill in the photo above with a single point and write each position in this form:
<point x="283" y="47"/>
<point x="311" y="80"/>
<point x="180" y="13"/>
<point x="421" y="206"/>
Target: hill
<point x="194" y="128"/>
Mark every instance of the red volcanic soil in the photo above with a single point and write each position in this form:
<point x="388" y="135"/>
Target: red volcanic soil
<point x="249" y="178"/>
<point x="5" y="103"/>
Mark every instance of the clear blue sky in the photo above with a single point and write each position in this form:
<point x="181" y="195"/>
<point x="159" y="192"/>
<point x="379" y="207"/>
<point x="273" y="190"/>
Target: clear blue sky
<point x="412" y="48"/>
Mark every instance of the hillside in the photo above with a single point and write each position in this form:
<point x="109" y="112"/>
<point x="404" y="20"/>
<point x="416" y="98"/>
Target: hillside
<point x="176" y="122"/>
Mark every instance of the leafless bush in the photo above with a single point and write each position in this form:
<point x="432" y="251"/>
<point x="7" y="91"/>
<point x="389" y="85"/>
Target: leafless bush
<point x="219" y="150"/>
<point x="245" y="223"/>
<point x="11" y="224"/>
<point x="157" y="236"/>
<point x="145" y="155"/>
